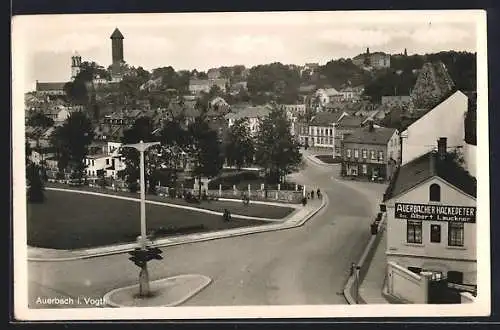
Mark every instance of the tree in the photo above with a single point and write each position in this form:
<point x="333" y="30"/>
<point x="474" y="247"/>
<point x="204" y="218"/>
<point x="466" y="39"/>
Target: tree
<point x="204" y="150"/>
<point x="141" y="130"/>
<point x="71" y="141"/>
<point x="240" y="148"/>
<point x="276" y="149"/>
<point x="38" y="119"/>
<point x="35" y="184"/>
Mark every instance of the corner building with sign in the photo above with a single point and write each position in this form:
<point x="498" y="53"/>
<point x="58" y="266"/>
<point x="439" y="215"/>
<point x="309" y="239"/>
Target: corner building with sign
<point x="431" y="217"/>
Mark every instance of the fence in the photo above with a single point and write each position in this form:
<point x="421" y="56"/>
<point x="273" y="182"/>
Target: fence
<point x="284" y="196"/>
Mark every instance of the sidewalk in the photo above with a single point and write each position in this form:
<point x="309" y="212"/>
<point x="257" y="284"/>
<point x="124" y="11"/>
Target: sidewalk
<point x="371" y="288"/>
<point x="295" y="219"/>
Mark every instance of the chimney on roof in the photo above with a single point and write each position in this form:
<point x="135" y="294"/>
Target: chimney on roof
<point x="442" y="148"/>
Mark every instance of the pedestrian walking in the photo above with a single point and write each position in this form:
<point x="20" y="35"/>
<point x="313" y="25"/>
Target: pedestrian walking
<point x="312" y="194"/>
<point x="318" y="192"/>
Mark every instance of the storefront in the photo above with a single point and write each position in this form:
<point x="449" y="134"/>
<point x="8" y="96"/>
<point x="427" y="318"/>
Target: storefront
<point x="431" y="219"/>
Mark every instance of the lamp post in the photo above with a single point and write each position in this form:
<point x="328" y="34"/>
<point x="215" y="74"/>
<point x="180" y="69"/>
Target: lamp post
<point x="143" y="276"/>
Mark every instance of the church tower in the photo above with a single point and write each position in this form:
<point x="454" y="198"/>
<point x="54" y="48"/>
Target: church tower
<point x="76" y="62"/>
<point x="116" y="54"/>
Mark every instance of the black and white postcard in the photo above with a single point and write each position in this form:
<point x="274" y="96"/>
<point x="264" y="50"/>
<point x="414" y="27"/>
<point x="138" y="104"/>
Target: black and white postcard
<point x="250" y="165"/>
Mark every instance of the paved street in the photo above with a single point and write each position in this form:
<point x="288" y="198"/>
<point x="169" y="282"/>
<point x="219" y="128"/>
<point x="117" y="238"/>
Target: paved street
<point x="306" y="265"/>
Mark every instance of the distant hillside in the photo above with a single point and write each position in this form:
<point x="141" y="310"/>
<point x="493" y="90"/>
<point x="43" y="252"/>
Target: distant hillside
<point x="402" y="76"/>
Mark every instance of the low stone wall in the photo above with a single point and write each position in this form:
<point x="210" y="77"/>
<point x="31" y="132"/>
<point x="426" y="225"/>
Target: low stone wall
<point x="405" y="285"/>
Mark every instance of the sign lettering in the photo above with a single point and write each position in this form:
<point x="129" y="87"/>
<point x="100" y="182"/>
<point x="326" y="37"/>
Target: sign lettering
<point x="435" y="212"/>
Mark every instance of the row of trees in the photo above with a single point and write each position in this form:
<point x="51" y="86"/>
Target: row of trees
<point x="273" y="148"/>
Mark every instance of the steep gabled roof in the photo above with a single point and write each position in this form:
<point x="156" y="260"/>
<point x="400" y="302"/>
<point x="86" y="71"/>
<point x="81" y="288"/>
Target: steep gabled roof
<point x="425" y="167"/>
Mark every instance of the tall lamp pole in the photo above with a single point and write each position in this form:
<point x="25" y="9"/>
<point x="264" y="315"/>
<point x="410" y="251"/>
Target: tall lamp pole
<point x="143" y="276"/>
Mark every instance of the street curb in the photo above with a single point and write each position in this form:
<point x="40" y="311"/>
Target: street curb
<point x="365" y="258"/>
<point x="207" y="280"/>
<point x="123" y="248"/>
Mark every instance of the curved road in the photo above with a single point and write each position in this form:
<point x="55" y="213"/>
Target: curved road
<point x="305" y="265"/>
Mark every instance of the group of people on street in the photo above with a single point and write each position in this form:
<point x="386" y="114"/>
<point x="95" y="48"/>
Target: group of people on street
<point x="311" y="195"/>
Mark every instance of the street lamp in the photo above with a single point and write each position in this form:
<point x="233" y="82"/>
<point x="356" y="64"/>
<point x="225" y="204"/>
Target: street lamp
<point x="143" y="276"/>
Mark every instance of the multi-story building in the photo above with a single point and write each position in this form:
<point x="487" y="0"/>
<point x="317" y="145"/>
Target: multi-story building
<point x="107" y="161"/>
<point x="321" y="132"/>
<point x="204" y="85"/>
<point x="50" y="88"/>
<point x="371" y="152"/>
<point x="377" y="60"/>
<point x="444" y="120"/>
<point x="431" y="217"/>
<point x="327" y="95"/>
<point x="345" y="125"/>
<point x="253" y="115"/>
<point x="293" y="108"/>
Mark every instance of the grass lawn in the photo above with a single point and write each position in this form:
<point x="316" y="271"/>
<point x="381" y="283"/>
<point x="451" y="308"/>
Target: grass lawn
<point x="328" y="159"/>
<point x="72" y="221"/>
<point x="253" y="210"/>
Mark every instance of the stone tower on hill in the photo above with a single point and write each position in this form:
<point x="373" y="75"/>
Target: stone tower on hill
<point x="433" y="85"/>
<point x="116" y="54"/>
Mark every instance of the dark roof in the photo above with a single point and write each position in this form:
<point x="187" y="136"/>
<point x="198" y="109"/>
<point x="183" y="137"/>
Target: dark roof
<point x="425" y="167"/>
<point x="379" y="135"/>
<point x="351" y="121"/>
<point x="326" y="118"/>
<point x="50" y="86"/>
<point x="116" y="34"/>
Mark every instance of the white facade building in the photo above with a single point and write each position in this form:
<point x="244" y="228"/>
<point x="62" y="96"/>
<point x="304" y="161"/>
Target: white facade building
<point x="445" y="120"/>
<point x="431" y="218"/>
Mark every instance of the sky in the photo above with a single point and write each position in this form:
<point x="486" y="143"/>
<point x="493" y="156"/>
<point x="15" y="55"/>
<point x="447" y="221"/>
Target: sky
<point x="43" y="44"/>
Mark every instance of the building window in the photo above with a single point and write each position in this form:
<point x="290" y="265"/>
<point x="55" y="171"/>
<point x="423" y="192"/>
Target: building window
<point x="365" y="169"/>
<point x="372" y="155"/>
<point x="93" y="164"/>
<point x="435" y="233"/>
<point x="380" y="156"/>
<point x="414" y="231"/>
<point x="331" y="140"/>
<point x="455" y="234"/>
<point x="435" y="193"/>
<point x="364" y="152"/>
<point x="331" y="131"/>
<point x="356" y="153"/>
<point x="107" y="161"/>
<point x="348" y="153"/>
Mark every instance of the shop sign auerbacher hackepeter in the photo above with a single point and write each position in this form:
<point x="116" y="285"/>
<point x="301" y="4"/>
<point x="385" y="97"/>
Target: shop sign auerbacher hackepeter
<point x="428" y="212"/>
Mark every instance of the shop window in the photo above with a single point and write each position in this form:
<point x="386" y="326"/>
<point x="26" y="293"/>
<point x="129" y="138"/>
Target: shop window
<point x="455" y="234"/>
<point x="435" y="193"/>
<point x="372" y="155"/>
<point x="356" y="153"/>
<point x="414" y="232"/>
<point x="365" y="169"/>
<point x="348" y="153"/>
<point x="364" y="152"/>
<point x="435" y="233"/>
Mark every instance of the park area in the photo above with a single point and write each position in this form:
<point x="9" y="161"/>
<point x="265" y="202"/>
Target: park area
<point x="68" y="220"/>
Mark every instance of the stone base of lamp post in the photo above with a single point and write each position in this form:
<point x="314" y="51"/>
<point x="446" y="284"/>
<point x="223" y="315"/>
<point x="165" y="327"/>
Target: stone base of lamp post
<point x="144" y="282"/>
